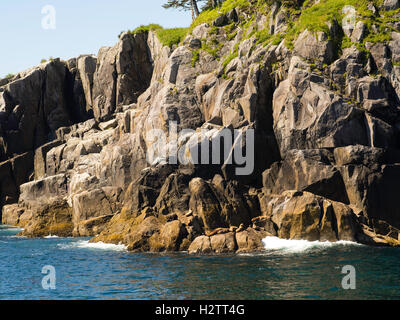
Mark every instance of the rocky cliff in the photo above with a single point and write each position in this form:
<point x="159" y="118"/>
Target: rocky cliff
<point x="322" y="100"/>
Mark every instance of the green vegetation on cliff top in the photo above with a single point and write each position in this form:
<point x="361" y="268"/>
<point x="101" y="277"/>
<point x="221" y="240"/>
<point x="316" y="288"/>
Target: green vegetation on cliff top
<point x="315" y="18"/>
<point x="168" y="37"/>
<point x="300" y="15"/>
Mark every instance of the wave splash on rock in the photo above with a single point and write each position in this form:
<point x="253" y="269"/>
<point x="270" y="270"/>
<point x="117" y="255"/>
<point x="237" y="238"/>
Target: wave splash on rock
<point x="82" y="244"/>
<point x="300" y="246"/>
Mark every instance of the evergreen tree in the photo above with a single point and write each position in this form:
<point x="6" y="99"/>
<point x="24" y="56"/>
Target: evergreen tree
<point x="184" y="5"/>
<point x="192" y="5"/>
<point x="209" y="4"/>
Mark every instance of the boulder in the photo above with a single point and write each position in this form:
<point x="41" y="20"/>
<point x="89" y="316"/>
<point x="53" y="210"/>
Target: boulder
<point x="171" y="236"/>
<point x="359" y="32"/>
<point x="138" y="240"/>
<point x="200" y="245"/>
<point x="204" y="203"/>
<point x="134" y="68"/>
<point x="195" y="44"/>
<point x="250" y="240"/>
<point x="223" y="243"/>
<point x="221" y="21"/>
<point x="391" y="5"/>
<point x="316" y="47"/>
<point x="231" y="205"/>
<point x="395" y="47"/>
<point x="174" y="194"/>
<point x="370" y="88"/>
<point x="303" y="215"/>
<point x="145" y="191"/>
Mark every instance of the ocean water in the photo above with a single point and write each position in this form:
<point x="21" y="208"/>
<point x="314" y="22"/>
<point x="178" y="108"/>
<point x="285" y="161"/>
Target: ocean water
<point x="286" y="270"/>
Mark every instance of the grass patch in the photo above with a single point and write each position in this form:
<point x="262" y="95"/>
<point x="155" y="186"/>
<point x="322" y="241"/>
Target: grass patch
<point x="143" y="28"/>
<point x="196" y="57"/>
<point x="213" y="48"/>
<point x="168" y="37"/>
<point x="315" y="18"/>
<point x="208" y="16"/>
<point x="229" y="58"/>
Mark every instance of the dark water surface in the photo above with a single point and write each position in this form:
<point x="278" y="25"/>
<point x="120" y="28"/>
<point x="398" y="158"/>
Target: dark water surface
<point x="286" y="270"/>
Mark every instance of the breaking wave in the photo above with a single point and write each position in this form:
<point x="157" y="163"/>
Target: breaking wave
<point x="299" y="246"/>
<point x="82" y="244"/>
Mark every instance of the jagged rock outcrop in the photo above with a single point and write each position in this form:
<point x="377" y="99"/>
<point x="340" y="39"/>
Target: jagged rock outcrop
<point x="311" y="170"/>
<point x="308" y="115"/>
<point x="122" y="74"/>
<point x="33" y="105"/>
<point x="322" y="123"/>
<point x="317" y="47"/>
<point x="81" y="82"/>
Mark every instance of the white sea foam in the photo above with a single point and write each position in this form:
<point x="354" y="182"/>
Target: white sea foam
<point x="82" y="244"/>
<point x="298" y="246"/>
<point x="6" y="227"/>
<point x="50" y="237"/>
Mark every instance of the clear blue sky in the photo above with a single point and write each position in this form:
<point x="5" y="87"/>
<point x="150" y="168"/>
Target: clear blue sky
<point x="82" y="26"/>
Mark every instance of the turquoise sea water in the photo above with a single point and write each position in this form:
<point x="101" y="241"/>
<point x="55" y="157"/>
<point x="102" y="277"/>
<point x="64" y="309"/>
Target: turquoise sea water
<point x="286" y="270"/>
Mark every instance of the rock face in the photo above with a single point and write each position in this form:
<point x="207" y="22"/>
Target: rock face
<point x="309" y="170"/>
<point x="304" y="105"/>
<point x="123" y="72"/>
<point x="33" y="105"/>
<point x="81" y="83"/>
<point x="143" y="144"/>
